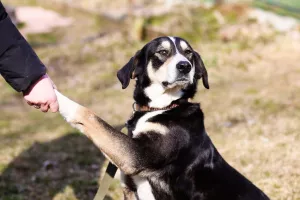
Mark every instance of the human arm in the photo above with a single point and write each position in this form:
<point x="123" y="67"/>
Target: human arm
<point x="21" y="67"/>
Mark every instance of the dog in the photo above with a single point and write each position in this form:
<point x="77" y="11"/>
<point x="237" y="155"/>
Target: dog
<point x="167" y="154"/>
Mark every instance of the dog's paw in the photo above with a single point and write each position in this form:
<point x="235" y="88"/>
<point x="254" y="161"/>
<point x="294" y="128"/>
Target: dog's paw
<point x="67" y="107"/>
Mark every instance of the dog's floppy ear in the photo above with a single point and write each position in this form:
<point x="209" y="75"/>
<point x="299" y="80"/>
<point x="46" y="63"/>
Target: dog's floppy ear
<point x="131" y="70"/>
<point x="200" y="70"/>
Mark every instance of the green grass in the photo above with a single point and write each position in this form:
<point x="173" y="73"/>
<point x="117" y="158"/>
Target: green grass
<point x="290" y="3"/>
<point x="280" y="10"/>
<point x="202" y="26"/>
<point x="42" y="39"/>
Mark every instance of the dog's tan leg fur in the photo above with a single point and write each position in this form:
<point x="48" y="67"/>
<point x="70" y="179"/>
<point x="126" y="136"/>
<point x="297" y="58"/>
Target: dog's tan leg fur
<point x="114" y="144"/>
<point x="128" y="194"/>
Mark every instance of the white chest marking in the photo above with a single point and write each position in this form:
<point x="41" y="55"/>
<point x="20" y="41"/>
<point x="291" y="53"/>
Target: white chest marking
<point x="144" y="190"/>
<point x="144" y="126"/>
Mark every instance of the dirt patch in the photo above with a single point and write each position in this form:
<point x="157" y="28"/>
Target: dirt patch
<point x="40" y="20"/>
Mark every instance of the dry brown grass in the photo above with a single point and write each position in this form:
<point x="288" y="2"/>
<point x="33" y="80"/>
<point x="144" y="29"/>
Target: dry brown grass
<point x="252" y="113"/>
<point x="252" y="116"/>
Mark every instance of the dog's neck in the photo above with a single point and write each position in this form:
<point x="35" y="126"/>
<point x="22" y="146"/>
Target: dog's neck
<point x="156" y="96"/>
<point x="137" y="107"/>
<point x="148" y="93"/>
<point x="160" y="97"/>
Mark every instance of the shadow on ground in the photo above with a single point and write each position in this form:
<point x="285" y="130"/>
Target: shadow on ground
<point x="46" y="169"/>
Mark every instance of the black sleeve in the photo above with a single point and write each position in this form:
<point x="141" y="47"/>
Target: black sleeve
<point x="19" y="65"/>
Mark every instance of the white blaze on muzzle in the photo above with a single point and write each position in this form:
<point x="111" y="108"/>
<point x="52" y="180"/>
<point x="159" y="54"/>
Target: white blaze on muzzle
<point x="173" y="72"/>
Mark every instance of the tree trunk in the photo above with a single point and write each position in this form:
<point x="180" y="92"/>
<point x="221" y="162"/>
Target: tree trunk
<point x="219" y="2"/>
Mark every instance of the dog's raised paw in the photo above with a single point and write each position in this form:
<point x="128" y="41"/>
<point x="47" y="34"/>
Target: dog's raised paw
<point x="67" y="107"/>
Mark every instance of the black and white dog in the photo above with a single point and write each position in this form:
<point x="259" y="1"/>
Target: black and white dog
<point x="167" y="154"/>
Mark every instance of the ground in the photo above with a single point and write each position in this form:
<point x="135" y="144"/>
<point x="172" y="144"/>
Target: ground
<point x="252" y="110"/>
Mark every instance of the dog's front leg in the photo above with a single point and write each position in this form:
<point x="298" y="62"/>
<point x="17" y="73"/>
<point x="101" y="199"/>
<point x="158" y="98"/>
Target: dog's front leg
<point x="117" y="146"/>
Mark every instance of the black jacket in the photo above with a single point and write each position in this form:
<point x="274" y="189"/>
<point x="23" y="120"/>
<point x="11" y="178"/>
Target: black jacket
<point x="19" y="65"/>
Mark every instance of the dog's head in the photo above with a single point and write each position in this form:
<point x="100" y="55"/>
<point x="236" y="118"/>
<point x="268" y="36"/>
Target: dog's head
<point x="166" y="69"/>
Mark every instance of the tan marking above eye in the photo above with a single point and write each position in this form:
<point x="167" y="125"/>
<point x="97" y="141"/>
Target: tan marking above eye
<point x="183" y="45"/>
<point x="166" y="44"/>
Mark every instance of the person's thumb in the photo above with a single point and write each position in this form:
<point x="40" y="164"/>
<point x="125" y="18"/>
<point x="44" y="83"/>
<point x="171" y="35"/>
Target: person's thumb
<point x="53" y="106"/>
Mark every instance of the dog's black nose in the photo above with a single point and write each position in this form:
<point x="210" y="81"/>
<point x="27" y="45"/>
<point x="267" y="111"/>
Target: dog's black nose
<point x="184" y="67"/>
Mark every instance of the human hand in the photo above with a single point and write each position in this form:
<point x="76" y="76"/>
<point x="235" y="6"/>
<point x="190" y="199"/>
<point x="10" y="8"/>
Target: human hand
<point x="41" y="95"/>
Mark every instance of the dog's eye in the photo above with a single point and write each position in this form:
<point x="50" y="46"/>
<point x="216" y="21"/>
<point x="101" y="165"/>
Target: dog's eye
<point x="163" y="52"/>
<point x="187" y="51"/>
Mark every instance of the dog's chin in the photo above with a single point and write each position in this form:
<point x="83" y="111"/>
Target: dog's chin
<point x="179" y="83"/>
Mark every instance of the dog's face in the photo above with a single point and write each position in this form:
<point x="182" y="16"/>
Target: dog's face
<point x="166" y="69"/>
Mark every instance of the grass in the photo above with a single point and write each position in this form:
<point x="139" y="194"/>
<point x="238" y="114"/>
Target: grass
<point x="251" y="111"/>
<point x="198" y="24"/>
<point x="36" y="40"/>
<point x="288" y="8"/>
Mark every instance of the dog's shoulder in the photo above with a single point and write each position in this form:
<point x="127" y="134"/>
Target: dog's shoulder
<point x="187" y="117"/>
<point x="186" y="111"/>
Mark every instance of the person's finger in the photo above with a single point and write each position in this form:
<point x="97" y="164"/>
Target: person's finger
<point x="36" y="106"/>
<point x="54" y="106"/>
<point x="44" y="107"/>
<point x="29" y="103"/>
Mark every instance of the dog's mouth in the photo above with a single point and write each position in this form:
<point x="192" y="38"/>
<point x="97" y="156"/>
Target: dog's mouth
<point x="183" y="81"/>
